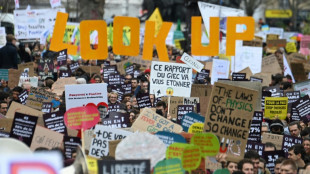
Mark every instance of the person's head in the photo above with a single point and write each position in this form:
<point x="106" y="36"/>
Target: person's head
<point x="113" y="97"/>
<point x="133" y="115"/>
<point x="232" y="166"/>
<point x="294" y="128"/>
<point x="288" y="166"/>
<point x="134" y="83"/>
<point x="133" y="101"/>
<point x="277" y="165"/>
<point x="296" y="152"/>
<point x="306" y="144"/>
<point x="246" y="166"/>
<point x="262" y="165"/>
<point x="11" y="39"/>
<point x="270" y="146"/>
<point x="103" y="111"/>
<point x="152" y="98"/>
<point x="265" y="128"/>
<point x="97" y="79"/>
<point x="16" y="92"/>
<point x="128" y="105"/>
<point x="276" y="127"/>
<point x="127" y="97"/>
<point x="128" y="78"/>
<point x="81" y="81"/>
<point x="49" y="82"/>
<point x="305" y="132"/>
<point x="3" y="107"/>
<point x="145" y="86"/>
<point x="161" y="108"/>
<point x="276" y="79"/>
<point x="254" y="157"/>
<point x="5" y="96"/>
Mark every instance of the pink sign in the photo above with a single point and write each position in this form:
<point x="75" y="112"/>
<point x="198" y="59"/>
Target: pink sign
<point x="82" y="117"/>
<point x="305" y="45"/>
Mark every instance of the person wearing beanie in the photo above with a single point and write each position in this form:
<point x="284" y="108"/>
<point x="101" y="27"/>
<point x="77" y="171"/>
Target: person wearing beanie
<point x="277" y="127"/>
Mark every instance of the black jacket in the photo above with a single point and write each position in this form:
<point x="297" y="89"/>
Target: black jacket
<point x="8" y="56"/>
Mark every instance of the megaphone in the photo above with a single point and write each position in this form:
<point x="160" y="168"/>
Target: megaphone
<point x="79" y="166"/>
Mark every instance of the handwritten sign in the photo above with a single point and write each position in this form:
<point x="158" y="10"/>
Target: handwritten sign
<point x="276" y="107"/>
<point x="169" y="166"/>
<point x="220" y="70"/>
<point x="191" y="62"/>
<point x="190" y="157"/>
<point x="207" y="142"/>
<point x="37" y="96"/>
<point x="100" y="143"/>
<point x="149" y="121"/>
<point x="81" y="117"/>
<point x="46" y="138"/>
<point x="196" y="128"/>
<point x="273" y="138"/>
<point x="229" y="116"/>
<point x="172" y="79"/>
<point x="59" y="86"/>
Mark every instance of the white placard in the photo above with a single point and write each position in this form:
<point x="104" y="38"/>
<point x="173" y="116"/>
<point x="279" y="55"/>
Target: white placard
<point x="2" y="37"/>
<point x="220" y="69"/>
<point x="55" y="3"/>
<point x="287" y="69"/>
<point x="248" y="56"/>
<point x="30" y="24"/>
<point x="192" y="62"/>
<point x="100" y="144"/>
<point x="172" y="79"/>
<point x="82" y="94"/>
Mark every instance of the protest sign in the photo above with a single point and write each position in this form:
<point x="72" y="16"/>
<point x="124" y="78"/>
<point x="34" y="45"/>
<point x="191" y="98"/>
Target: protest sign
<point x="23" y="97"/>
<point x="294" y="113"/>
<point x="276" y="107"/>
<point x="264" y="95"/>
<point x="291" y="47"/>
<point x="270" y="158"/>
<point x="37" y="96"/>
<point x="170" y="138"/>
<point x="190" y="157"/>
<point x="46" y="138"/>
<point x="127" y="87"/>
<point x="254" y="145"/>
<point x="190" y="118"/>
<point x="84" y="94"/>
<point x="6" y="124"/>
<point x="239" y="77"/>
<point x="272" y="37"/>
<point x="83" y="117"/>
<point x="169" y="166"/>
<point x="199" y="90"/>
<point x="289" y="141"/>
<point x="171" y="79"/>
<point x="47" y="107"/>
<point x="255" y="79"/>
<point x="203" y="74"/>
<point x="121" y="166"/>
<point x="273" y="138"/>
<point x="182" y="110"/>
<point x="207" y="142"/>
<point x="13" y="81"/>
<point x="91" y="69"/>
<point x="130" y="69"/>
<point x="270" y="64"/>
<point x="149" y="121"/>
<point x="114" y="79"/>
<point x="229" y="116"/>
<point x="192" y="62"/>
<point x="140" y="145"/>
<point x="2" y="37"/>
<point x="220" y="69"/>
<point x="248" y="56"/>
<point x="27" y="67"/>
<point x="117" y="120"/>
<point x="70" y="145"/>
<point x="304" y="45"/>
<point x="46" y="67"/>
<point x="17" y="107"/>
<point x="55" y="121"/>
<point x="23" y="127"/>
<point x="302" y="106"/>
<point x="114" y="107"/>
<point x="144" y="100"/>
<point x="266" y="78"/>
<point x="173" y="105"/>
<point x="212" y="164"/>
<point x="32" y="80"/>
<point x="175" y="150"/>
<point x="196" y="128"/>
<point x="4" y="134"/>
<point x="273" y="45"/>
<point x="74" y="66"/>
<point x="31" y="24"/>
<point x="100" y="143"/>
<point x="292" y="96"/>
<point x="255" y="131"/>
<point x="4" y="74"/>
<point x="62" y="57"/>
<point x="298" y="71"/>
<point x="303" y="87"/>
<point x="64" y="74"/>
<point x="275" y="91"/>
<point x="247" y="72"/>
<point x="59" y="86"/>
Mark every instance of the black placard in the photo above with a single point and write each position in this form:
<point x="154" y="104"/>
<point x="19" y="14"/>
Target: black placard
<point x="55" y="121"/>
<point x="74" y="66"/>
<point x="264" y="95"/>
<point x="23" y="97"/>
<point x="144" y="101"/>
<point x="124" y="166"/>
<point x="119" y="90"/>
<point x="130" y="69"/>
<point x="302" y="106"/>
<point x="258" y="147"/>
<point x="47" y="107"/>
<point x="294" y="113"/>
<point x="70" y="145"/>
<point x="289" y="141"/>
<point x="255" y="129"/>
<point x="239" y="77"/>
<point x="46" y="68"/>
<point x="117" y="120"/>
<point x="114" y="79"/>
<point x="275" y="91"/>
<point x="107" y="71"/>
<point x="270" y="158"/>
<point x="292" y="96"/>
<point x="127" y="87"/>
<point x="114" y="107"/>
<point x="23" y="127"/>
<point x="4" y="134"/>
<point x="64" y="73"/>
<point x="136" y="73"/>
<point x="182" y="110"/>
<point x="62" y="57"/>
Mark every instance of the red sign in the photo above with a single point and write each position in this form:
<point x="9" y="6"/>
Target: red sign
<point x="82" y="117"/>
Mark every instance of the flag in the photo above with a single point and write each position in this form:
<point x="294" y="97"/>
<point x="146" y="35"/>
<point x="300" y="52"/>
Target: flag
<point x="156" y="17"/>
<point x="16" y="4"/>
<point x="287" y="69"/>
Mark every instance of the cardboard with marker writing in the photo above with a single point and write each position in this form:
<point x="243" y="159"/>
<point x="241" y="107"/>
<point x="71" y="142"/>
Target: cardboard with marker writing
<point x="247" y="71"/>
<point x="37" y="96"/>
<point x="273" y="45"/>
<point x="266" y="77"/>
<point x="13" y="81"/>
<point x="59" y="86"/>
<point x="199" y="90"/>
<point x="298" y="71"/>
<point x="273" y="138"/>
<point x="47" y="138"/>
<point x="229" y="117"/>
<point x="173" y="106"/>
<point x="112" y="147"/>
<point x="27" y="67"/>
<point x="270" y="64"/>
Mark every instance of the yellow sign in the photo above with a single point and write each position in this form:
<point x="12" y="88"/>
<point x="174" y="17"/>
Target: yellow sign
<point x="156" y="17"/>
<point x="276" y="107"/>
<point x="92" y="165"/>
<point x="278" y="13"/>
<point x="291" y="47"/>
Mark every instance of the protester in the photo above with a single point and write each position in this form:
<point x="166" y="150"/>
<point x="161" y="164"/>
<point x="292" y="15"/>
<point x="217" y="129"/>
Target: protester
<point x="232" y="166"/>
<point x="297" y="154"/>
<point x="3" y="107"/>
<point x="246" y="166"/>
<point x="277" y="165"/>
<point x="8" y="54"/>
<point x="294" y="129"/>
<point x="289" y="166"/>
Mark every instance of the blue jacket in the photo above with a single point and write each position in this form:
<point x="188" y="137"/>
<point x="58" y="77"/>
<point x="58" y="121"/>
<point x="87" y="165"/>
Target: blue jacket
<point x="8" y="56"/>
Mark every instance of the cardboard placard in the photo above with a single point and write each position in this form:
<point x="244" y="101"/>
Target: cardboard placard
<point x="276" y="107"/>
<point x="303" y="87"/>
<point x="273" y="138"/>
<point x="298" y="71"/>
<point x="91" y="69"/>
<point x="270" y="158"/>
<point x="37" y="96"/>
<point x="23" y="127"/>
<point x="70" y="145"/>
<point x="100" y="143"/>
<point x="46" y="138"/>
<point x="6" y="124"/>
<point x="258" y="147"/>
<point x="59" y="86"/>
<point x="231" y="110"/>
<point x="117" y="120"/>
<point x="270" y="64"/>
<point x="201" y="90"/>
<point x="191" y="118"/>
<point x="266" y="78"/>
<point x="130" y="166"/>
<point x="191" y="62"/>
<point x="247" y="72"/>
<point x="182" y="110"/>
<point x="85" y="94"/>
<point x="13" y="81"/>
<point x="55" y="121"/>
<point x="170" y="79"/>
<point x="173" y="106"/>
<point x="273" y="45"/>
<point x="27" y="67"/>
<point x="149" y="121"/>
<point x="289" y="141"/>
<point x="144" y="100"/>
